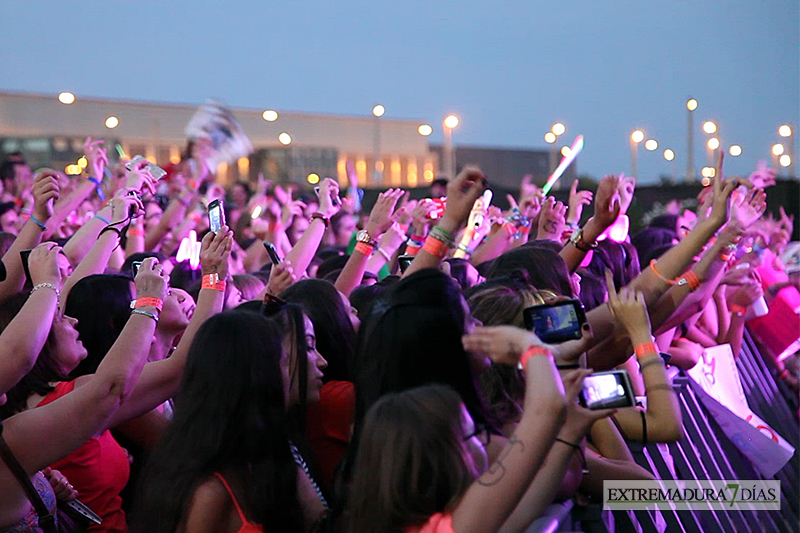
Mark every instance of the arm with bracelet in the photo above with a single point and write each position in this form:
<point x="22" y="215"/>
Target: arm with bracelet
<point x="160" y="380"/>
<point x="107" y="241"/>
<point x="23" y="338"/>
<point x="381" y="217"/>
<point x="388" y="250"/>
<point x="461" y="195"/>
<point x="661" y="421"/>
<point x="305" y="248"/>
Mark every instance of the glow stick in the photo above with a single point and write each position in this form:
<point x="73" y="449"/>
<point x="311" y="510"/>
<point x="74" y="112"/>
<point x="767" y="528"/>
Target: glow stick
<point x="566" y="161"/>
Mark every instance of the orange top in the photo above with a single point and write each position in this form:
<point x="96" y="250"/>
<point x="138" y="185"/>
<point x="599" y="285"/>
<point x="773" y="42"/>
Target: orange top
<point x="247" y="527"/>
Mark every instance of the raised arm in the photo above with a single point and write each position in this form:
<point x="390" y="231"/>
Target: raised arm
<point x="45" y="193"/>
<point x="381" y="217"/>
<point x="305" y="248"/>
<point x="606" y="210"/>
<point x="24" y="337"/>
<point x="39" y="437"/>
<point x="161" y="380"/>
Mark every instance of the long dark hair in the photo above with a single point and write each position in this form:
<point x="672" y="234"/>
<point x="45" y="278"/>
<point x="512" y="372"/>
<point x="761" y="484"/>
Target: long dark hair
<point x="229" y="417"/>
<point x="101" y="303"/>
<point x="44" y="371"/>
<point x="546" y="269"/>
<point x="336" y="336"/>
<point x="409" y="464"/>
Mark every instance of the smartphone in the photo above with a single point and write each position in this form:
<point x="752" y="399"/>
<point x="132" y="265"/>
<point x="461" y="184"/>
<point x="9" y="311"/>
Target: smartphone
<point x="216" y="215"/>
<point x="334" y="197"/>
<point x="404" y="261"/>
<point x="556" y="323"/>
<point x="273" y="253"/>
<point x="135" y="266"/>
<point x="24" y="255"/>
<point x="156" y="171"/>
<point x="607" y="390"/>
<point x="78" y="507"/>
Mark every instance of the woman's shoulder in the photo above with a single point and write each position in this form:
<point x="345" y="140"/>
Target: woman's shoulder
<point x="209" y="507"/>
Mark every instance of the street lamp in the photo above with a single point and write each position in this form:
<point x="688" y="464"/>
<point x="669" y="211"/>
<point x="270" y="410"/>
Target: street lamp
<point x="713" y="143"/>
<point x="112" y="122"/>
<point x="651" y="145"/>
<point x="709" y="127"/>
<point x="777" y="149"/>
<point x="669" y="155"/>
<point x="735" y="150"/>
<point x="785" y="131"/>
<point x="285" y="139"/>
<point x="550" y="137"/>
<point x="425" y="130"/>
<point x="636" y="137"/>
<point x="691" y="105"/>
<point x="270" y="115"/>
<point x="785" y="160"/>
<point x="66" y="98"/>
<point x="450" y="122"/>
<point x="558" y="129"/>
<point x="378" y="111"/>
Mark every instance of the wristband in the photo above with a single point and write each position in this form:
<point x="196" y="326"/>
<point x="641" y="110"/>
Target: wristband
<point x="413" y="250"/>
<point x="364" y="248"/>
<point x="37" y="222"/>
<point x="212" y="281"/>
<point x="47" y="286"/>
<point x="110" y="228"/>
<point x="568" y="443"/>
<point x="654" y="360"/>
<point x="135" y="232"/>
<point x="145" y="313"/>
<point x="692" y="279"/>
<point x="104" y="219"/>
<point x="435" y="247"/>
<point x="417" y="240"/>
<point x="646" y="348"/>
<point x="510" y="228"/>
<point x="384" y="254"/>
<point x="738" y="310"/>
<point x="442" y="235"/>
<point x="319" y="216"/>
<point x="98" y="188"/>
<point x="147" y="301"/>
<point x="530" y="352"/>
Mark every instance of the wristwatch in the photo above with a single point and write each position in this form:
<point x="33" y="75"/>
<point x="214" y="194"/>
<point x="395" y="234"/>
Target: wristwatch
<point x="577" y="236"/>
<point x="363" y="236"/>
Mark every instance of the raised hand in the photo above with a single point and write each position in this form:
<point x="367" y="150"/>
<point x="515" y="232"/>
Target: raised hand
<point x="151" y="280"/>
<point x="45" y="193"/>
<point x="96" y="156"/>
<point x="125" y="206"/>
<point x="328" y="188"/>
<point x="140" y="179"/>
<point x="579" y="419"/>
<point x="749" y="208"/>
<point x="527" y="187"/>
<point x="628" y="309"/>
<point x="43" y="264"/>
<point x="291" y="209"/>
<point x="461" y="195"/>
<point x="747" y="292"/>
<point x="722" y="191"/>
<point x="281" y="277"/>
<point x="577" y="199"/>
<point x="607" y="201"/>
<point x="419" y="216"/>
<point x="502" y="344"/>
<point x="552" y="220"/>
<point x="626" y="188"/>
<point x="383" y="213"/>
<point x="214" y="252"/>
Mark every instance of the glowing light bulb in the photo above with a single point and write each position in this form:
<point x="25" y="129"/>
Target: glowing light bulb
<point x="713" y="143"/>
<point x="709" y="127"/>
<point x="550" y="137"/>
<point x="651" y="144"/>
<point x="269" y="115"/>
<point x="558" y="128"/>
<point x="425" y="130"/>
<point x="637" y="136"/>
<point x="112" y="122"/>
<point x="378" y="110"/>
<point x="285" y="139"/>
<point x="669" y="155"/>
<point x="691" y="105"/>
<point x="735" y="150"/>
<point x="451" y="121"/>
<point x="66" y="98"/>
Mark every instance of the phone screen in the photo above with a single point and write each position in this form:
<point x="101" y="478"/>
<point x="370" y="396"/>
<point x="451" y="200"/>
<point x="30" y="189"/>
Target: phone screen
<point x="216" y="216"/>
<point x="556" y="323"/>
<point x="405" y="261"/>
<point x="273" y="253"/>
<point x="135" y="266"/>
<point x="607" y="390"/>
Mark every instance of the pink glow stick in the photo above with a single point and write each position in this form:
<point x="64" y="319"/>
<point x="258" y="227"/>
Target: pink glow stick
<point x="566" y="161"/>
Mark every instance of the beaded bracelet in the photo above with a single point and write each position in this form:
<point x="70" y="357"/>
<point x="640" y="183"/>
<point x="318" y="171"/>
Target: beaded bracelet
<point x="46" y="286"/>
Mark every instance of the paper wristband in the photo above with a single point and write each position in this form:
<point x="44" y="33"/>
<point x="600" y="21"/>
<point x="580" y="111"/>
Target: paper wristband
<point x="212" y="281"/>
<point x="435" y="247"/>
<point x="364" y="248"/>
<point x="738" y="309"/>
<point x="530" y="352"/>
<point x="158" y="303"/>
<point x="646" y="348"/>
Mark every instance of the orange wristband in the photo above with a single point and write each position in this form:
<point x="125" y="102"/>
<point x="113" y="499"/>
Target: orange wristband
<point x="158" y="303"/>
<point x="135" y="232"/>
<point x="435" y="247"/>
<point x="530" y="352"/>
<point x="738" y="309"/>
<point x="412" y="250"/>
<point x="212" y="281"/>
<point x="364" y="248"/>
<point x="646" y="348"/>
<point x="692" y="279"/>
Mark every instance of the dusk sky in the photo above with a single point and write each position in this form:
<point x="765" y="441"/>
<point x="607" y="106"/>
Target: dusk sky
<point x="507" y="69"/>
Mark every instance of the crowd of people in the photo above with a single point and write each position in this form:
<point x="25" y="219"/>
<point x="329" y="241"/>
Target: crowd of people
<point x="376" y="373"/>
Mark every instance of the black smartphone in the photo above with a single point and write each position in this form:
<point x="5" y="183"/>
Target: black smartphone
<point x="404" y="261"/>
<point x="24" y="255"/>
<point x="273" y="253"/>
<point x="78" y="507"/>
<point x="216" y="215"/>
<point x="334" y="197"/>
<point x="556" y="323"/>
<point x="607" y="390"/>
<point x="135" y="266"/>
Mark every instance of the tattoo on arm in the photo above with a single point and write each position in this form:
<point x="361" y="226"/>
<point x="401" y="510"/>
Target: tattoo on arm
<point x="497" y="471"/>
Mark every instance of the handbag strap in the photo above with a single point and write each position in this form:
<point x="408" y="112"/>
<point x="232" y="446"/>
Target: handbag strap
<point x="46" y="520"/>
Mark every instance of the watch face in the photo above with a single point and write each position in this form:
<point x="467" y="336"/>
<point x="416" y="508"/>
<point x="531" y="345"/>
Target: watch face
<point x="576" y="235"/>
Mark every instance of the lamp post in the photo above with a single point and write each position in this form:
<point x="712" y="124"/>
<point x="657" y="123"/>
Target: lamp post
<point x="691" y="105"/>
<point x="786" y="131"/>
<point x="450" y="122"/>
<point x="712" y="144"/>
<point x="636" y="137"/>
<point x="378" y="112"/>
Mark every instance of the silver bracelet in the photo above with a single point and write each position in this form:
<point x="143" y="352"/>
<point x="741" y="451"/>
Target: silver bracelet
<point x="47" y="286"/>
<point x="145" y="313"/>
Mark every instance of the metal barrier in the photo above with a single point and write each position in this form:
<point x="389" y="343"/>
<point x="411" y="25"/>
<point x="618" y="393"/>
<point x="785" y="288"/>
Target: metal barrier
<point x="706" y="453"/>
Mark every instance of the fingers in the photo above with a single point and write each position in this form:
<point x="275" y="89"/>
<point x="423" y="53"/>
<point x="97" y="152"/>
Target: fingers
<point x="511" y="201"/>
<point x="573" y="190"/>
<point x="613" y="300"/>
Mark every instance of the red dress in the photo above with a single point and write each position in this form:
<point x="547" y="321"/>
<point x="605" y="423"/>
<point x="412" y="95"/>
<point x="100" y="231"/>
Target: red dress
<point x="328" y="425"/>
<point x="98" y="470"/>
